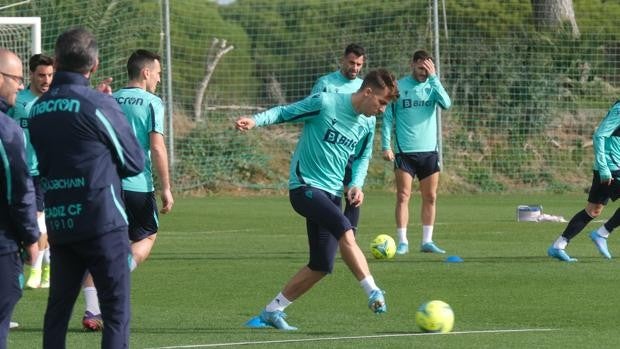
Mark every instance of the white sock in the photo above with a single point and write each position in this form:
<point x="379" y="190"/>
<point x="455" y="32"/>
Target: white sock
<point x="368" y="284"/>
<point x="427" y="233"/>
<point x="46" y="256"/>
<point x="560" y="243"/>
<point x="402" y="235"/>
<point x="132" y="264"/>
<point x="91" y="300"/>
<point x="37" y="263"/>
<point x="278" y="303"/>
<point x="602" y="231"/>
<point x="41" y="224"/>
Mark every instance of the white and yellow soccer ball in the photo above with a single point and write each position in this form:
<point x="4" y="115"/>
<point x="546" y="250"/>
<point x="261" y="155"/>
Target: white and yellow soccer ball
<point x="383" y="247"/>
<point x="435" y="316"/>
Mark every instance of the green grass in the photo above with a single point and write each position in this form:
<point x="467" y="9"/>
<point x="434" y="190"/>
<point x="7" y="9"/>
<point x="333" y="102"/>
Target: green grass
<point x="219" y="260"/>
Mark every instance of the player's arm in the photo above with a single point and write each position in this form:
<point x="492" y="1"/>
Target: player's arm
<point x="441" y="96"/>
<point x="20" y="193"/>
<point x="606" y="128"/>
<point x="159" y="156"/>
<point x="302" y="110"/>
<point x="360" y="168"/>
<point x="386" y="131"/>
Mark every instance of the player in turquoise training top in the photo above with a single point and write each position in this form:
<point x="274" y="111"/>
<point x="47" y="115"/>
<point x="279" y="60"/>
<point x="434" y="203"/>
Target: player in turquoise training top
<point x="605" y="186"/>
<point x="334" y="127"/>
<point x="414" y="119"/>
<point x="347" y="80"/>
<point x="41" y="69"/>
<point x="145" y="113"/>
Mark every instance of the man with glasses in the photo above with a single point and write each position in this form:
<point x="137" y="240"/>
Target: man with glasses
<point x="18" y="220"/>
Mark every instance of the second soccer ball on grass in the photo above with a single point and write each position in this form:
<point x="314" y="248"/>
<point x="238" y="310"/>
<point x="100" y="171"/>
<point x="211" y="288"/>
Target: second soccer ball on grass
<point x="435" y="316"/>
<point x="383" y="247"/>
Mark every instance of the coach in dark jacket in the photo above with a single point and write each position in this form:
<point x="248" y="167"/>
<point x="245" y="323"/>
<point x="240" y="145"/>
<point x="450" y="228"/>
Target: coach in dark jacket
<point x="85" y="146"/>
<point x="18" y="211"/>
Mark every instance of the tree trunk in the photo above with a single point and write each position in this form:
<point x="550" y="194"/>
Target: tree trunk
<point x="554" y="13"/>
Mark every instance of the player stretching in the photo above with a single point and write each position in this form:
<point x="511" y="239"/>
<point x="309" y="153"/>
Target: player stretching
<point x="41" y="72"/>
<point x="335" y="126"/>
<point x="347" y="80"/>
<point x="414" y="117"/>
<point x="145" y="113"/>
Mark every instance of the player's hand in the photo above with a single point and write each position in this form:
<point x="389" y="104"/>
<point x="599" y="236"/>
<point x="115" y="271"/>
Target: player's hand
<point x="244" y="123"/>
<point x="429" y="66"/>
<point x="105" y="86"/>
<point x="355" y="196"/>
<point x="607" y="181"/>
<point x="388" y="155"/>
<point x="32" y="251"/>
<point x="166" y="201"/>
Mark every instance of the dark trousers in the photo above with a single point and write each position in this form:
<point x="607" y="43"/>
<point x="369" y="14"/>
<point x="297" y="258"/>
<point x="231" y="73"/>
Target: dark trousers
<point x="10" y="291"/>
<point x="105" y="257"/>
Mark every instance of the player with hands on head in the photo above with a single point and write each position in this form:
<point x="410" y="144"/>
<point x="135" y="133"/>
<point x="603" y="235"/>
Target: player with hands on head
<point x="335" y="126"/>
<point x="413" y="118"/>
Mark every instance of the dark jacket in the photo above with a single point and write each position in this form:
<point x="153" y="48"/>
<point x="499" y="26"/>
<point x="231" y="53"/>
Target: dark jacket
<point x="85" y="146"/>
<point x="18" y="211"/>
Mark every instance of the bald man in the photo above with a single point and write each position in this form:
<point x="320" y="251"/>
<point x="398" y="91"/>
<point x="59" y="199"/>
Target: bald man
<point x="18" y="211"/>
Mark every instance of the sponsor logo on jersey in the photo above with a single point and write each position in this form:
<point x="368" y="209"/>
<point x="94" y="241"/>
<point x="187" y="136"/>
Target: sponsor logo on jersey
<point x="409" y="103"/>
<point x="56" y="105"/>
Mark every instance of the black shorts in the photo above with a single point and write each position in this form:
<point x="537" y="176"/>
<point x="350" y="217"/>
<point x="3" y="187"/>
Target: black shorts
<point x="422" y="164"/>
<point x="38" y="193"/>
<point x="325" y="224"/>
<point x="142" y="214"/>
<point x="601" y="193"/>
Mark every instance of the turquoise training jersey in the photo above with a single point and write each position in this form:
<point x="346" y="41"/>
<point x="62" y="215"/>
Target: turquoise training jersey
<point x="145" y="113"/>
<point x="414" y="115"/>
<point x="332" y="132"/>
<point x="336" y="82"/>
<point x="20" y="112"/>
<point x="606" y="142"/>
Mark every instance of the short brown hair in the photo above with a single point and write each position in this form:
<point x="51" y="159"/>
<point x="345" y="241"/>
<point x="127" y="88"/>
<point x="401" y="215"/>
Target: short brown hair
<point x="421" y="55"/>
<point x="381" y="78"/>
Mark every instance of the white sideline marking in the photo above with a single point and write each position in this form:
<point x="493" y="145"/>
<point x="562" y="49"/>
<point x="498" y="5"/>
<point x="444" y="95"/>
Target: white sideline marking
<point x="213" y="345"/>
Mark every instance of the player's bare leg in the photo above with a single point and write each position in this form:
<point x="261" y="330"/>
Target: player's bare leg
<point x="141" y="250"/>
<point x="404" y="181"/>
<point x="428" y="191"/>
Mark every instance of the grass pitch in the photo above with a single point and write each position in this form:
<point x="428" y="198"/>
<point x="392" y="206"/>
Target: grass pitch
<point x="219" y="260"/>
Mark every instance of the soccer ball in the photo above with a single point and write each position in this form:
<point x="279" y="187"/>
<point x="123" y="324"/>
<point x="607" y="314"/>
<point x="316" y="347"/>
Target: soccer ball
<point x="383" y="247"/>
<point x="435" y="316"/>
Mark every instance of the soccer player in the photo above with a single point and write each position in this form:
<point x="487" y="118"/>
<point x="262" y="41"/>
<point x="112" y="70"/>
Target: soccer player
<point x="41" y="72"/>
<point x="414" y="119"/>
<point x="605" y="186"/>
<point x="18" y="218"/>
<point x="335" y="126"/>
<point x="347" y="80"/>
<point x="85" y="146"/>
<point x="145" y="113"/>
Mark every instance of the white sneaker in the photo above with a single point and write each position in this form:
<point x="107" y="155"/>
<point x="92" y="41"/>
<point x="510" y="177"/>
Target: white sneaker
<point x="13" y="325"/>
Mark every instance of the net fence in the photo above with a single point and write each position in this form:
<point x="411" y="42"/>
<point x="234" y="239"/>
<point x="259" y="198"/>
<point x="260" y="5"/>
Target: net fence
<point x="528" y="84"/>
